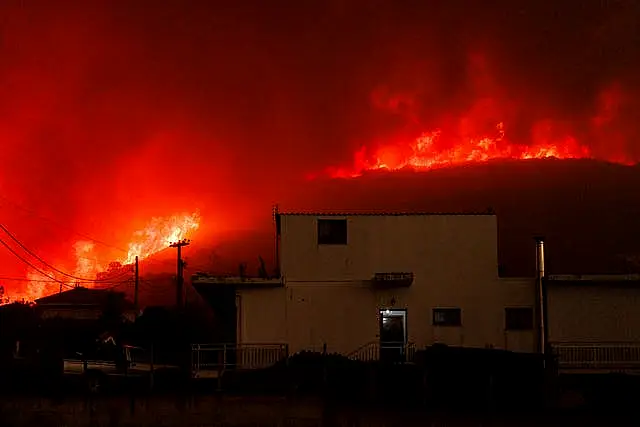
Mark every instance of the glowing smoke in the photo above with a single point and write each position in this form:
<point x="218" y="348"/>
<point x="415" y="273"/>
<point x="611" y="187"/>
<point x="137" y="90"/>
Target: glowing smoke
<point x="112" y="113"/>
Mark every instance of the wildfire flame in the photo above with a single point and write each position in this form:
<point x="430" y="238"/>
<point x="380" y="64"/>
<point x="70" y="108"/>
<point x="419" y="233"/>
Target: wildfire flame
<point x="85" y="266"/>
<point x="159" y="234"/>
<point x="38" y="287"/>
<point x="154" y="237"/>
<point x="429" y="151"/>
<point x="480" y="131"/>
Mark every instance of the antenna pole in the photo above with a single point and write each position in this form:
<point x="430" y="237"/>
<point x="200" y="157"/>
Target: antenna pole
<point x="180" y="271"/>
<point x="276" y="220"/>
<point x="137" y="284"/>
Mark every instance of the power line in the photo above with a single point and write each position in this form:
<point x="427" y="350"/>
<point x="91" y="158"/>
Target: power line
<point x="83" y="235"/>
<point x="22" y="279"/>
<point x="71" y="276"/>
<point x="113" y="285"/>
<point x="74" y="231"/>
<point x="10" y="249"/>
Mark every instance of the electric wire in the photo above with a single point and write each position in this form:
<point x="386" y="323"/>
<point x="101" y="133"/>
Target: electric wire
<point x="17" y="255"/>
<point x="83" y="235"/>
<point x="27" y="250"/>
<point x="37" y="215"/>
<point x="113" y="285"/>
<point x="22" y="279"/>
<point x="74" y="231"/>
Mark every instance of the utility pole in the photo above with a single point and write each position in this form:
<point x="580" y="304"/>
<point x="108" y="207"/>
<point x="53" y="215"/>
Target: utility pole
<point x="180" y="273"/>
<point x="136" y="284"/>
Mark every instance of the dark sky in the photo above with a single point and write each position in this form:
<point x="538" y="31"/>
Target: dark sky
<point x="115" y="111"/>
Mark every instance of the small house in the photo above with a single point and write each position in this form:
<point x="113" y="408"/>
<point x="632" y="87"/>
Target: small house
<point x="84" y="304"/>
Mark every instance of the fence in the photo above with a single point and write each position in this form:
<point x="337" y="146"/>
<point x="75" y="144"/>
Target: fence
<point x="612" y="357"/>
<point x="212" y="359"/>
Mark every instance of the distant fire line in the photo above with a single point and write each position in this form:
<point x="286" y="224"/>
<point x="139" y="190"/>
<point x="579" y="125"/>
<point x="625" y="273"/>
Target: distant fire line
<point x="434" y="150"/>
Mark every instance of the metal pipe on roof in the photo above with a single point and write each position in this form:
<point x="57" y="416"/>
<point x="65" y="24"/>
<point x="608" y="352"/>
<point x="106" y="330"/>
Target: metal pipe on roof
<point x="540" y="257"/>
<point x="541" y="297"/>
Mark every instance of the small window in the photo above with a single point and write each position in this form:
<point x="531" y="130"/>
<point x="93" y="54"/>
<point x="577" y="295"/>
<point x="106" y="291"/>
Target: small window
<point x="518" y="318"/>
<point x="447" y="317"/>
<point x="332" y="231"/>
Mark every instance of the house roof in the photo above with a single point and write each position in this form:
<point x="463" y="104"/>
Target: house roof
<point x="80" y="296"/>
<point x="594" y="277"/>
<point x="610" y="280"/>
<point x="489" y="212"/>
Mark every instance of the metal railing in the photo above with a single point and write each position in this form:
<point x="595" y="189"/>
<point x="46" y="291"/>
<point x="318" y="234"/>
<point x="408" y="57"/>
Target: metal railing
<point x="216" y="358"/>
<point x="616" y="356"/>
<point x="375" y="351"/>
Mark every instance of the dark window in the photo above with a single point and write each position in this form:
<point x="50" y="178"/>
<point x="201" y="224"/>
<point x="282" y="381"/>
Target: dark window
<point x="518" y="318"/>
<point x="332" y="231"/>
<point x="447" y="317"/>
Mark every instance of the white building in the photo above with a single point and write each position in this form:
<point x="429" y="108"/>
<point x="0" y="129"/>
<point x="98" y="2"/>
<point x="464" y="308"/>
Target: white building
<point x="358" y="282"/>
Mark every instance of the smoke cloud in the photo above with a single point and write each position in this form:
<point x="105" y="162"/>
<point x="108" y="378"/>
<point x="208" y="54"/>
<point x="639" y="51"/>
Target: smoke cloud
<point x="114" y="112"/>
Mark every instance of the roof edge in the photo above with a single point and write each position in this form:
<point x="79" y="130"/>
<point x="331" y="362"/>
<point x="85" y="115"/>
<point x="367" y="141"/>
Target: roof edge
<point x="63" y="294"/>
<point x="593" y="277"/>
<point x="384" y="213"/>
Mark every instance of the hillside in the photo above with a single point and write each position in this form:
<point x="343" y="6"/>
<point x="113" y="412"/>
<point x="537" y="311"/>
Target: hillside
<point x="586" y="210"/>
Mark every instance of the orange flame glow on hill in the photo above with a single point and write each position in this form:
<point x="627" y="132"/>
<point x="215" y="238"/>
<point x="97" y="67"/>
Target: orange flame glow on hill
<point x="431" y="151"/>
<point x="157" y="235"/>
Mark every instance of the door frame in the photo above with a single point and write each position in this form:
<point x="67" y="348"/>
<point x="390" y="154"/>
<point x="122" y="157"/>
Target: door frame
<point x="405" y="317"/>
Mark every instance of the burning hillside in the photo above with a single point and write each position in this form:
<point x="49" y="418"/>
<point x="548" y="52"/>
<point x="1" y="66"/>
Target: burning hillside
<point x="476" y="132"/>
<point x="45" y="279"/>
<point x="423" y="153"/>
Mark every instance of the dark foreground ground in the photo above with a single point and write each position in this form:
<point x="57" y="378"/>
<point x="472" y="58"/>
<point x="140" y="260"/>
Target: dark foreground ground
<point x="215" y="410"/>
<point x="447" y="387"/>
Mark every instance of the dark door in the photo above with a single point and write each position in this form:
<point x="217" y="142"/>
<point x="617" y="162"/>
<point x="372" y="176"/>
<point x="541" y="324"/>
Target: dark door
<point x="393" y="335"/>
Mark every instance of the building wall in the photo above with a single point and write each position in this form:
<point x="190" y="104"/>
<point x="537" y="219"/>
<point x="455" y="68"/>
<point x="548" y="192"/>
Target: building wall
<point x="515" y="293"/>
<point x="71" y="313"/>
<point x="328" y="297"/>
<point x="262" y="316"/>
<point x="341" y="315"/>
<point x="344" y="316"/>
<point x="596" y="313"/>
<point x="456" y="248"/>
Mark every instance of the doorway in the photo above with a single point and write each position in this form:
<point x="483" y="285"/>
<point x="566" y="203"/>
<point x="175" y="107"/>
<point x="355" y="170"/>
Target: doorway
<point x="393" y="335"/>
